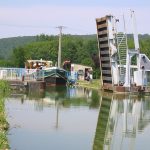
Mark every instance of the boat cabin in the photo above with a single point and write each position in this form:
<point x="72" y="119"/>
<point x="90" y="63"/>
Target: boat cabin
<point x="78" y="72"/>
<point x="38" y="64"/>
<point x="83" y="72"/>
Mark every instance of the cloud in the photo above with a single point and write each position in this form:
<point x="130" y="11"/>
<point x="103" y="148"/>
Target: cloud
<point x="79" y="20"/>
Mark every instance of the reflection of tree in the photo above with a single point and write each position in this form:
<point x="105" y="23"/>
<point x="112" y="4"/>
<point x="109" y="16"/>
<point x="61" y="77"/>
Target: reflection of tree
<point x="95" y="99"/>
<point x="56" y="92"/>
<point x="144" y="118"/>
<point x="61" y="95"/>
<point x="35" y="94"/>
<point x="74" y="96"/>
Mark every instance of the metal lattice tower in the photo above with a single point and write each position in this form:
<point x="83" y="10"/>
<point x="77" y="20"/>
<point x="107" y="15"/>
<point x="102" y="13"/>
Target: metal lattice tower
<point x="122" y="51"/>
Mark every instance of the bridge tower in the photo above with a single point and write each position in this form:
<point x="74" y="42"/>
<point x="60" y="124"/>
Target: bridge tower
<point x="107" y="44"/>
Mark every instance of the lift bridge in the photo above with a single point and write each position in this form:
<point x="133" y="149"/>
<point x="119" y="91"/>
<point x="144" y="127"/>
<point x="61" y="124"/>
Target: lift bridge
<point x="109" y="41"/>
<point x="117" y="72"/>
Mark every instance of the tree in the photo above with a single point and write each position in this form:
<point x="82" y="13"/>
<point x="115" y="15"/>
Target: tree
<point x="19" y="57"/>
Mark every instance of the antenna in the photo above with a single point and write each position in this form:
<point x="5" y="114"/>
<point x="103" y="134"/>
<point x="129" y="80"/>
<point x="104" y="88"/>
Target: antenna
<point x="59" y="50"/>
<point x="136" y="39"/>
<point x="135" y="34"/>
<point x="124" y="24"/>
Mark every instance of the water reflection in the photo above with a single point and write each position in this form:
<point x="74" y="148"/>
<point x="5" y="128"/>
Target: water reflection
<point x="60" y="118"/>
<point x="78" y="119"/>
<point x="123" y="123"/>
<point x="66" y="97"/>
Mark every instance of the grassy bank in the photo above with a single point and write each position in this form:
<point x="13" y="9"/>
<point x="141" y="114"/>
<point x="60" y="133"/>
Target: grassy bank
<point x="94" y="84"/>
<point x="4" y="88"/>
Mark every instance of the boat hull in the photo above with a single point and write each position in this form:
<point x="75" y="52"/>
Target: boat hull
<point x="55" y="76"/>
<point x="53" y="81"/>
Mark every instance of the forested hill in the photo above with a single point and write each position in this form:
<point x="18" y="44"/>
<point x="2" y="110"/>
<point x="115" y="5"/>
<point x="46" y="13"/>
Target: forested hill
<point x="81" y="49"/>
<point x="8" y="44"/>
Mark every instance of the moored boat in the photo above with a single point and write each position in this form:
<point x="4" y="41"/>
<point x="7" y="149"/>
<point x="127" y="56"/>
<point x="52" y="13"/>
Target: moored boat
<point x="55" y="76"/>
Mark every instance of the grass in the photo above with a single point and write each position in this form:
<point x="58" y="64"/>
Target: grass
<point x="94" y="84"/>
<point x="4" y="88"/>
<point x="3" y="141"/>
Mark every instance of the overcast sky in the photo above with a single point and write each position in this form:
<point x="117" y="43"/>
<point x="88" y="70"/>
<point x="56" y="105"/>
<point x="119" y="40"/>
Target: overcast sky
<point x="32" y="17"/>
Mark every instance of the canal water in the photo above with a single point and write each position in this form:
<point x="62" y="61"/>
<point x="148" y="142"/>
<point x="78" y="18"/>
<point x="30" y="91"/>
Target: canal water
<point x="77" y="118"/>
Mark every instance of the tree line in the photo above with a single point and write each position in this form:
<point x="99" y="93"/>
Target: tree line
<point x="78" y="49"/>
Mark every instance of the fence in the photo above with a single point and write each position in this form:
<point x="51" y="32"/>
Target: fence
<point x="21" y="74"/>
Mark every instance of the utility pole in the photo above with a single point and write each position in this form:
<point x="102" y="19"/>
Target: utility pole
<point x="59" y="50"/>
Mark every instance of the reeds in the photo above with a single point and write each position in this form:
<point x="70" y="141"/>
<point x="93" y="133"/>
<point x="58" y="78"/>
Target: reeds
<point x="4" y="90"/>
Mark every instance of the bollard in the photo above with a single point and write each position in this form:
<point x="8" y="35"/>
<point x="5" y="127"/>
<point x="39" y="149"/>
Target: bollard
<point x="23" y="78"/>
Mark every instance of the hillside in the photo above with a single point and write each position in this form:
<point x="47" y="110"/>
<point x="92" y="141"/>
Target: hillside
<point x="8" y="44"/>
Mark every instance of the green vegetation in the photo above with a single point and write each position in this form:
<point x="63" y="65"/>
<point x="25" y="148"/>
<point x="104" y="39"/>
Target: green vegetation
<point x="8" y="44"/>
<point x="144" y="41"/>
<point x="75" y="102"/>
<point x="80" y="49"/>
<point x="94" y="84"/>
<point x="77" y="49"/>
<point x="74" y="48"/>
<point x="4" y="88"/>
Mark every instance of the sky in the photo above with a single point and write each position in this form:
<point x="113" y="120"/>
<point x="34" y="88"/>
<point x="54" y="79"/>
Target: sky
<point x="32" y="17"/>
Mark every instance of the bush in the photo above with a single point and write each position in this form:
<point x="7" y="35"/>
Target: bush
<point x="4" y="86"/>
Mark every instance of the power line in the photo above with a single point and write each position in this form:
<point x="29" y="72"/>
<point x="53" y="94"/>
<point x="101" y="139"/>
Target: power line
<point x="78" y="29"/>
<point x="69" y="30"/>
<point x="26" y="26"/>
<point x="42" y="26"/>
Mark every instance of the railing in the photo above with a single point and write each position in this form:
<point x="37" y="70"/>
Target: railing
<point x="21" y="74"/>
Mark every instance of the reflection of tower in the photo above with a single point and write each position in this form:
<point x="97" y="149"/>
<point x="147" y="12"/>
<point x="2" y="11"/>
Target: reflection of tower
<point x="130" y="119"/>
<point x="103" y="118"/>
<point x="121" y="121"/>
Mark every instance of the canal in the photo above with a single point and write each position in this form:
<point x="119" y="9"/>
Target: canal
<point x="77" y="118"/>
